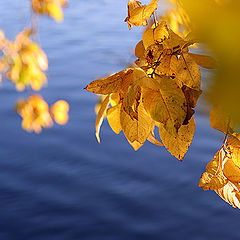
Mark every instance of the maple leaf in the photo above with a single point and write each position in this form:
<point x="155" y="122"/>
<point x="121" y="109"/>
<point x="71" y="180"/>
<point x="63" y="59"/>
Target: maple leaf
<point x="179" y="145"/>
<point x="138" y="14"/>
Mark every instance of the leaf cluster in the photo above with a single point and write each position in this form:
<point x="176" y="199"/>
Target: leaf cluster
<point x="159" y="92"/>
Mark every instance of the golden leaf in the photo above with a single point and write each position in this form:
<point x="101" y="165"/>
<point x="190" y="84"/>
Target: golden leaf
<point x="139" y="50"/>
<point x="136" y="129"/>
<point x="101" y="115"/>
<point x="203" y="60"/>
<point x="187" y="72"/>
<point x="229" y="194"/>
<point x="220" y="120"/>
<point x="138" y="14"/>
<point x="233" y="144"/>
<point x="111" y="84"/>
<point x="231" y="171"/>
<point x="179" y="145"/>
<point x="113" y="117"/>
<point x="213" y="178"/>
<point x="167" y="105"/>
<point x="151" y="138"/>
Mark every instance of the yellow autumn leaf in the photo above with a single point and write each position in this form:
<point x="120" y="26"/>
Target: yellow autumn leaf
<point x="136" y="129"/>
<point x="204" y="60"/>
<point x="35" y="114"/>
<point x="138" y="14"/>
<point x="179" y="145"/>
<point x="111" y="84"/>
<point x="55" y="11"/>
<point x="213" y="178"/>
<point x="187" y="72"/>
<point x="139" y="50"/>
<point x="220" y="120"/>
<point x="229" y="194"/>
<point x="101" y="115"/>
<point x="113" y="117"/>
<point x="167" y="105"/>
<point x="233" y="143"/>
<point x="231" y="171"/>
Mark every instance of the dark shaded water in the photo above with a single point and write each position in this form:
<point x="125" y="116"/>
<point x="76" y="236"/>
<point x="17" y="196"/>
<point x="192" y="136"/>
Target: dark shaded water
<point x="62" y="184"/>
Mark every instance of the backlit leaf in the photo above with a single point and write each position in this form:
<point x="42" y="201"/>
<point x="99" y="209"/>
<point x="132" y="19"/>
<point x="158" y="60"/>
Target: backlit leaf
<point x="167" y="105"/>
<point x="179" y="145"/>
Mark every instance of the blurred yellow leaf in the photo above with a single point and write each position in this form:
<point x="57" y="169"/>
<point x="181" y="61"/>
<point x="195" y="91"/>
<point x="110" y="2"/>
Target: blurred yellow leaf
<point x="59" y="111"/>
<point x="35" y="114"/>
<point x="220" y="120"/>
<point x="203" y="60"/>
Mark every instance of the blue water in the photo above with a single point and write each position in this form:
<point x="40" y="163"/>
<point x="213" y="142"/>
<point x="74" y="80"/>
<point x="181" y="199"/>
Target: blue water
<point x="62" y="184"/>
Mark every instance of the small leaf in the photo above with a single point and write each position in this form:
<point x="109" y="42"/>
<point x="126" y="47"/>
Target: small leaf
<point x="138" y="14"/>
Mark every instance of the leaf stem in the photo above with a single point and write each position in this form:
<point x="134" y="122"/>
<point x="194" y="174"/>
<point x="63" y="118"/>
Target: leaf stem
<point x="155" y="19"/>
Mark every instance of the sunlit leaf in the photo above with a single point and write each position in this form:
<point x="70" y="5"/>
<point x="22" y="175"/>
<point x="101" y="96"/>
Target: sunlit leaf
<point x="179" y="145"/>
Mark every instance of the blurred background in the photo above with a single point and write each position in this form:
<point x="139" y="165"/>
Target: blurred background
<point x="62" y="184"/>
